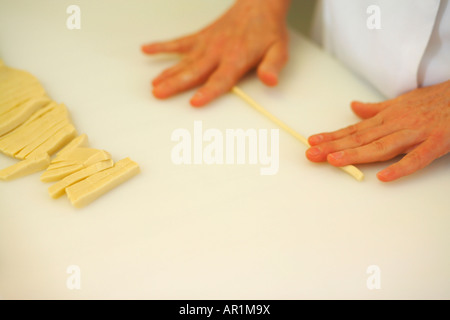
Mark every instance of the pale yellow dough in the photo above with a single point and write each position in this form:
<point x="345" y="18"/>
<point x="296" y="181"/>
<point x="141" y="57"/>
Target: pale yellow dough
<point x="58" y="189"/>
<point x="60" y="165"/>
<point x="78" y="142"/>
<point x="17" y="87"/>
<point x="39" y="139"/>
<point x="56" y="142"/>
<point x="89" y="189"/>
<point x="27" y="128"/>
<point x="72" y="161"/>
<point x="25" y="167"/>
<point x="84" y="156"/>
<point x="33" y="128"/>
<point x="14" y="118"/>
<point x="39" y="134"/>
<point x="351" y="170"/>
<point x="60" y="173"/>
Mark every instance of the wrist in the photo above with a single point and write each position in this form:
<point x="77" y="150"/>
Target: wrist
<point x="280" y="7"/>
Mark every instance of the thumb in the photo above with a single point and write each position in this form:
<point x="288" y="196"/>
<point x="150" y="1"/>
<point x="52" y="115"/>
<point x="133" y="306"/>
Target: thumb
<point x="367" y="110"/>
<point x="272" y="63"/>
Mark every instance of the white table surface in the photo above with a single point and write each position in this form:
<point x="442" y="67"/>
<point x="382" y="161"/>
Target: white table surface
<point x="199" y="231"/>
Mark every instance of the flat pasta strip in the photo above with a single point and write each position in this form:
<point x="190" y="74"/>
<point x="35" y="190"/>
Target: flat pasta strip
<point x="16" y="117"/>
<point x="79" y="155"/>
<point x="58" y="174"/>
<point x="15" y="99"/>
<point x="16" y="87"/>
<point x="4" y="140"/>
<point x="40" y="139"/>
<point x="22" y="136"/>
<point x="89" y="189"/>
<point x="33" y="127"/>
<point x="59" y="188"/>
<point x="60" y="165"/>
<point x="59" y="140"/>
<point x="79" y="142"/>
<point x="25" y="167"/>
<point x="77" y="159"/>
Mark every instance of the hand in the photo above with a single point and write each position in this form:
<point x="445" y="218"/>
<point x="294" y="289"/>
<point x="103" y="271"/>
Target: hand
<point x="416" y="124"/>
<point x="250" y="33"/>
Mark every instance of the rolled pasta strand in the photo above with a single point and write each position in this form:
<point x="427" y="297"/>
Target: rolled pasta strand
<point x="351" y="170"/>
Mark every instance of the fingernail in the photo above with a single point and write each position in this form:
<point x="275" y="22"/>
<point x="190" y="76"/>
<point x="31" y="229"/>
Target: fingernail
<point x="271" y="79"/>
<point x="383" y="175"/>
<point x="147" y="47"/>
<point x="337" y="155"/>
<point x="160" y="91"/>
<point x="316" y="139"/>
<point x="314" y="152"/>
<point x="197" y="99"/>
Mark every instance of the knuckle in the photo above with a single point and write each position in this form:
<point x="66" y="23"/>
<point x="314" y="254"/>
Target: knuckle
<point x="227" y="76"/>
<point x="185" y="76"/>
<point x="234" y="52"/>
<point x="352" y="129"/>
<point x="227" y="82"/>
<point x="236" y="63"/>
<point x="214" y="87"/>
<point x="358" y="139"/>
<point x="198" y="69"/>
<point x="416" y="159"/>
<point x="171" y="84"/>
<point x="379" y="119"/>
<point x="190" y="58"/>
<point x="380" y="146"/>
<point x="183" y="44"/>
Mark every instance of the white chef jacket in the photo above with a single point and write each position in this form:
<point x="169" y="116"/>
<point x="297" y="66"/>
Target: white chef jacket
<point x="411" y="49"/>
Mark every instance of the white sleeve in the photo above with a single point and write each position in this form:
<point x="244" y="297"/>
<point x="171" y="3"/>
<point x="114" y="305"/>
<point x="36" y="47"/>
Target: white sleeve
<point x="435" y="65"/>
<point x="389" y="57"/>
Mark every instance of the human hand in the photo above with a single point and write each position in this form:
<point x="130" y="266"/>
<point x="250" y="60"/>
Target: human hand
<point x="250" y="33"/>
<point x="416" y="124"/>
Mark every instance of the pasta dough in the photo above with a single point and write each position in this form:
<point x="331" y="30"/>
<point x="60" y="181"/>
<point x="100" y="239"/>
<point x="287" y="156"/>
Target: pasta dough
<point x="89" y="189"/>
<point x="25" y="167"/>
<point x="33" y="127"/>
<point x="351" y="170"/>
<point x="72" y="161"/>
<point x="58" y="189"/>
<point x="14" y="118"/>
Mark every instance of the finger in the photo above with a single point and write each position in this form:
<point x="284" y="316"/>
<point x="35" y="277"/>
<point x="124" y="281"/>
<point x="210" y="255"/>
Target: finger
<point x="172" y="71"/>
<point x="368" y="110"/>
<point x="220" y="82"/>
<point x="319" y="152"/>
<point x="329" y="136"/>
<point x="192" y="75"/>
<point x="181" y="45"/>
<point x="380" y="150"/>
<point x="273" y="62"/>
<point x="415" y="160"/>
